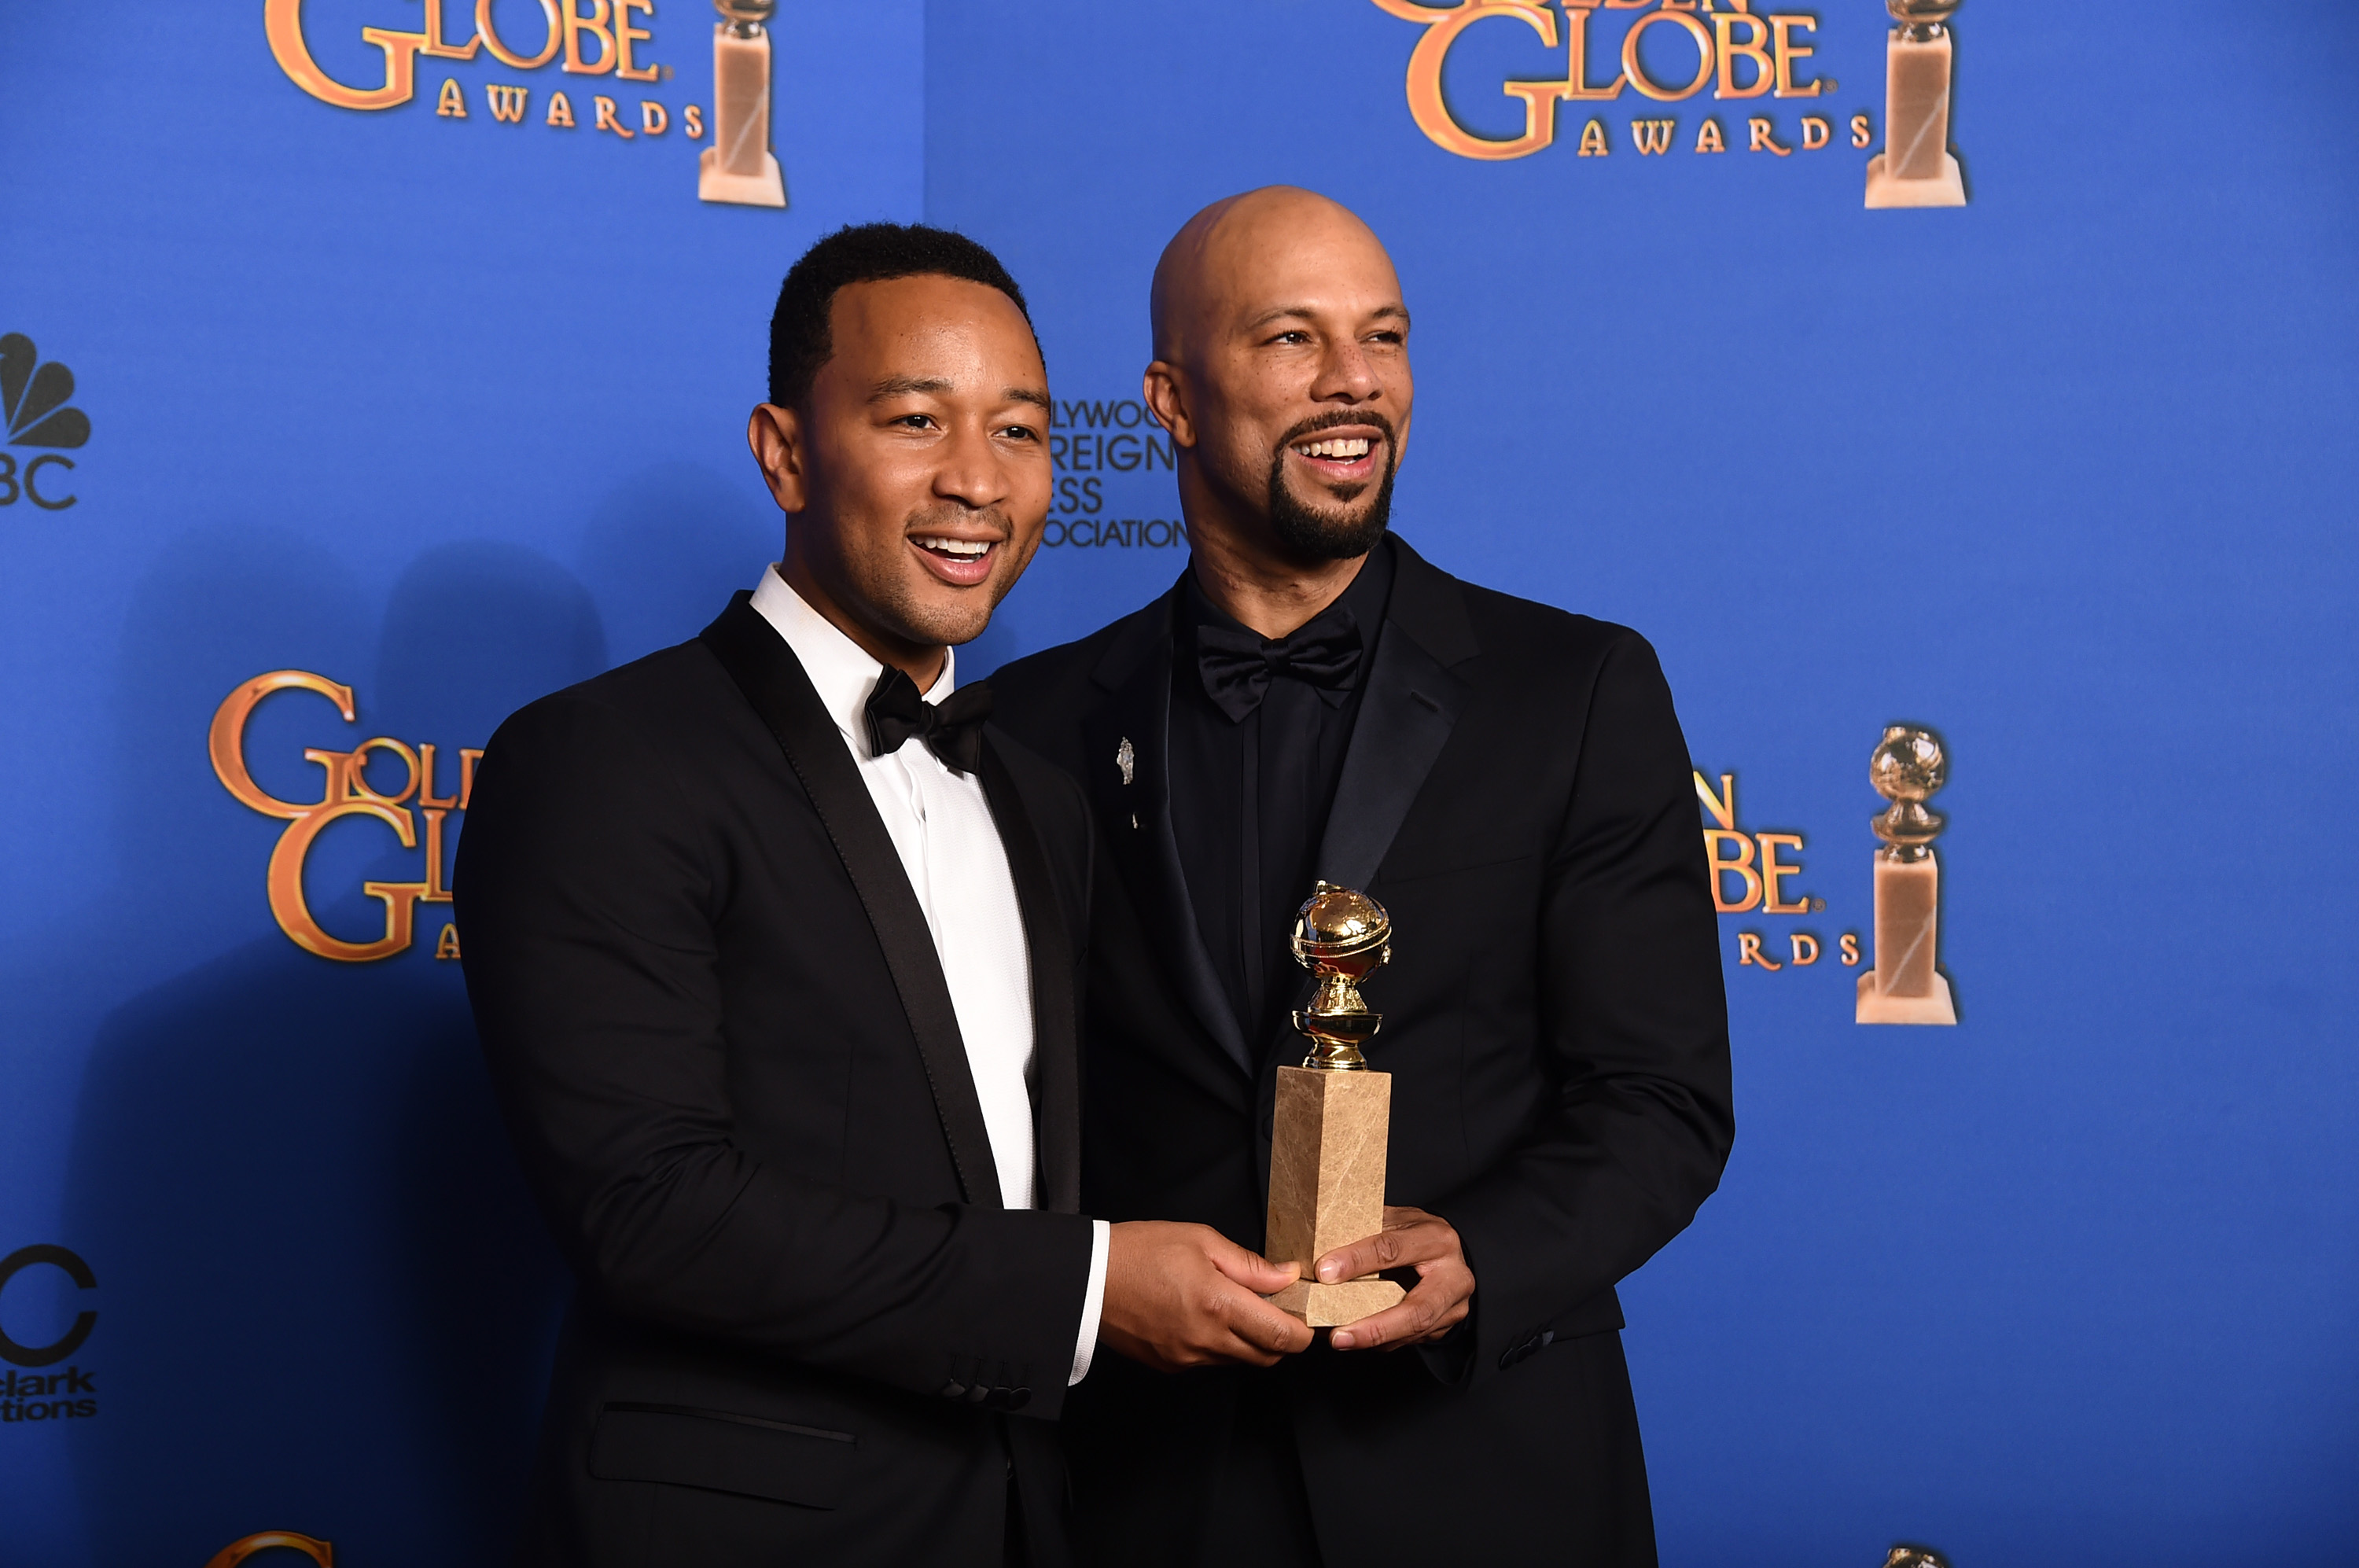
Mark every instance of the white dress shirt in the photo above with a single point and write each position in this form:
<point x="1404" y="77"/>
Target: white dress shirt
<point x="940" y="823"/>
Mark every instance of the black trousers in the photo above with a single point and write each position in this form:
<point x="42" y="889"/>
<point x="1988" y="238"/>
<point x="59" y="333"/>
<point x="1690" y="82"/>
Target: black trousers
<point x="1218" y="1466"/>
<point x="1258" y="1515"/>
<point x="1210" y="1480"/>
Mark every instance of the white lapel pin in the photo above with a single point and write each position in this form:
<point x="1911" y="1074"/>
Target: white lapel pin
<point x="1126" y="758"/>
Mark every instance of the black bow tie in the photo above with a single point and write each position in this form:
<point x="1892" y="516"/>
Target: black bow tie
<point x="952" y="730"/>
<point x="1238" y="665"/>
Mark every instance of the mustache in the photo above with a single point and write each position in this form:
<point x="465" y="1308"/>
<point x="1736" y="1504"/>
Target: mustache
<point x="1331" y="420"/>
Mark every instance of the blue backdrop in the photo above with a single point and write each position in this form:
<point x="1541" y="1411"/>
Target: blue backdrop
<point x="448" y="412"/>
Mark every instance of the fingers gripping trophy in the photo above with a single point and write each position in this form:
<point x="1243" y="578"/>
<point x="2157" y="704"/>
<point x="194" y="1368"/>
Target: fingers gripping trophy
<point x="1333" y="1114"/>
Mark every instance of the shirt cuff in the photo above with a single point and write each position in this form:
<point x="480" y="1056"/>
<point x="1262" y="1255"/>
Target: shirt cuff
<point x="1094" y="1302"/>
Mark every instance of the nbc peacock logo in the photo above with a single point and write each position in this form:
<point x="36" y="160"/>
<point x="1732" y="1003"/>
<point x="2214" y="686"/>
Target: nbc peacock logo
<point x="33" y="407"/>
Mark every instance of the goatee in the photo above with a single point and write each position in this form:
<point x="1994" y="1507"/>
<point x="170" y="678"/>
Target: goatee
<point x="1313" y="535"/>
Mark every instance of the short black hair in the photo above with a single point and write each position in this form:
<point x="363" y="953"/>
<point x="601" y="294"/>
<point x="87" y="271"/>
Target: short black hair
<point x="800" y="341"/>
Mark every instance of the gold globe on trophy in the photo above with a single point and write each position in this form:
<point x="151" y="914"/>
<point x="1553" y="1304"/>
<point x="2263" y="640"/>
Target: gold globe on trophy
<point x="1333" y="1113"/>
<point x="1342" y="937"/>
<point x="1906" y="1556"/>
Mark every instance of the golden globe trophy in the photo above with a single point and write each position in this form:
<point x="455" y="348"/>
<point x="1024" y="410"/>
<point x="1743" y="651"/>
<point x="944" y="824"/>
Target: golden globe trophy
<point x="1333" y="1114"/>
<point x="739" y="167"/>
<point x="1916" y="168"/>
<point x="1905" y="987"/>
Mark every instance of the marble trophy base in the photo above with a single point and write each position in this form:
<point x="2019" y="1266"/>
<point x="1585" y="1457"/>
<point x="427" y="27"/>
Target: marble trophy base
<point x="765" y="188"/>
<point x="1945" y="188"/>
<point x="1934" y="1007"/>
<point x="1333" y="1306"/>
<point x="1904" y="987"/>
<point x="1327" y="1186"/>
<point x="1916" y="168"/>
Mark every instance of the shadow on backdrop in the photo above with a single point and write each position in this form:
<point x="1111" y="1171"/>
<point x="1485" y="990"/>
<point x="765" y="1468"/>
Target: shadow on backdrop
<point x="667" y="546"/>
<point x="166" y="867"/>
<point x="328" y="1304"/>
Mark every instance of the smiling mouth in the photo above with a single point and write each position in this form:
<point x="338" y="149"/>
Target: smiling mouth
<point x="959" y="563"/>
<point x="1345" y="449"/>
<point x="1346" y="456"/>
<point x="1344" y="464"/>
<point x="957" y="549"/>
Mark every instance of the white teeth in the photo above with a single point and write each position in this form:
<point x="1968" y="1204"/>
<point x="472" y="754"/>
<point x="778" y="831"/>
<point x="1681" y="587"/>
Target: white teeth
<point x="959" y="547"/>
<point x="1355" y="446"/>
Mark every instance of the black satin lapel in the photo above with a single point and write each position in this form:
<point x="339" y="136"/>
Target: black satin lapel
<point x="1406" y="716"/>
<point x="773" y="680"/>
<point x="1138" y="819"/>
<point x="1056" y="1044"/>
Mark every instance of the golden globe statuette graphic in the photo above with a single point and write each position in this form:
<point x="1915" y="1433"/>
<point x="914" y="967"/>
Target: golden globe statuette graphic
<point x="1906" y="1556"/>
<point x="237" y="1551"/>
<point x="1905" y="987"/>
<point x="1333" y="1114"/>
<point x="739" y="165"/>
<point x="1916" y="168"/>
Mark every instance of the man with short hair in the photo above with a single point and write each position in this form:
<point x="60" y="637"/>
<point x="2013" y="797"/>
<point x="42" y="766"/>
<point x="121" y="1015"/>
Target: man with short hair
<point x="774" y="944"/>
<point x="1313" y="700"/>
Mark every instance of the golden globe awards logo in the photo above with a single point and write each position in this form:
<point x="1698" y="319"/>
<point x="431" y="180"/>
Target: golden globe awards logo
<point x="1900" y="978"/>
<point x="584" y="39"/>
<point x="346" y="793"/>
<point x="1658" y="52"/>
<point x="320" y="1552"/>
<point x="34" y="409"/>
<point x="1752" y="870"/>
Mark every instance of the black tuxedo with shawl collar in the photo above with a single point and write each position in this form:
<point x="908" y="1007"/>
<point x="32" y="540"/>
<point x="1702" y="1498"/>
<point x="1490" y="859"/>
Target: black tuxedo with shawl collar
<point x="1518" y="794"/>
<point x="729" y="1060"/>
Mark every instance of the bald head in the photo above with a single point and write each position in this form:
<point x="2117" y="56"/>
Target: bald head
<point x="1229" y="257"/>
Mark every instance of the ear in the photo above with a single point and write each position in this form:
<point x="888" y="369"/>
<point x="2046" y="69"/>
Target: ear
<point x="1161" y="388"/>
<point x="775" y="435"/>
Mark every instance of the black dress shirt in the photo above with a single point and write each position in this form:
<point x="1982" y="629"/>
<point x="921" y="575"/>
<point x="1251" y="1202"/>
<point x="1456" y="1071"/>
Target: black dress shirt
<point x="1249" y="798"/>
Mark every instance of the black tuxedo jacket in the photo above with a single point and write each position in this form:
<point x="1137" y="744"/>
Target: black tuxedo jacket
<point x="1518" y="794"/>
<point x="728" y="1057"/>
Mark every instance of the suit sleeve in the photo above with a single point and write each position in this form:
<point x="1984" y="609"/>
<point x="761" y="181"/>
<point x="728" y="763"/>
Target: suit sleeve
<point x="588" y="895"/>
<point x="1634" y="1021"/>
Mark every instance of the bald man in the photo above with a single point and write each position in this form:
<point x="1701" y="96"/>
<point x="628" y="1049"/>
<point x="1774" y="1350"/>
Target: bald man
<point x="1313" y="700"/>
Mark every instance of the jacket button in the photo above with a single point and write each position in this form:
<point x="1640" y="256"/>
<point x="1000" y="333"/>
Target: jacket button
<point x="1527" y="1350"/>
